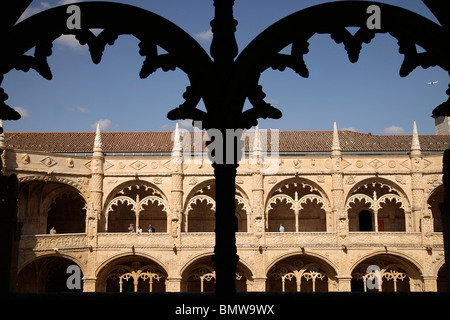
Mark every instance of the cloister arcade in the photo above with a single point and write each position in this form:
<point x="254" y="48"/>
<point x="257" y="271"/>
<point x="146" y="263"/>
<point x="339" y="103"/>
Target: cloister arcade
<point x="298" y="204"/>
<point x="295" y="273"/>
<point x="341" y="214"/>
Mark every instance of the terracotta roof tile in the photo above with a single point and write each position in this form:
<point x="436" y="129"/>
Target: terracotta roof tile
<point x="153" y="142"/>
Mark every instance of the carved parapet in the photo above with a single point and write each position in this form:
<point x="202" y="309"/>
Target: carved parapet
<point x="53" y="242"/>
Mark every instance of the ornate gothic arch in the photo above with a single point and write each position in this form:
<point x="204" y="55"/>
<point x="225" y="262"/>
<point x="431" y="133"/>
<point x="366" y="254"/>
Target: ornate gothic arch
<point x="375" y="193"/>
<point x="305" y="183"/>
<point x="411" y="265"/>
<point x="132" y="183"/>
<point x="410" y="29"/>
<point x="81" y="189"/>
<point x="328" y="265"/>
<point x="115" y="19"/>
<point x="305" y="200"/>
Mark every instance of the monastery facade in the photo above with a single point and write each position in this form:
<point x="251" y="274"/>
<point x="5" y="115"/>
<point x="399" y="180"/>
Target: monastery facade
<point x="346" y="201"/>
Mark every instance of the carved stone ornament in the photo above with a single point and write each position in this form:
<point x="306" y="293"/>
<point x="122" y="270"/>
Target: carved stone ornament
<point x="25" y="159"/>
<point x="138" y="165"/>
<point x="48" y="161"/>
<point x="376" y="163"/>
<point x="69" y="163"/>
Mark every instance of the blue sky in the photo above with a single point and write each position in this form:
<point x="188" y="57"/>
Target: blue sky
<point x="368" y="96"/>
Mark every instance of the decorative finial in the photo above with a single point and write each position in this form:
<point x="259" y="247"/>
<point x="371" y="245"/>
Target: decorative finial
<point x="336" y="146"/>
<point x="415" y="144"/>
<point x="257" y="142"/>
<point x="98" y="139"/>
<point x="177" y="142"/>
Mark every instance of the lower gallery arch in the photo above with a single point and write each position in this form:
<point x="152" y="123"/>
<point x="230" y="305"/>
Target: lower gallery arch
<point x="132" y="274"/>
<point x="441" y="279"/>
<point x="386" y="273"/>
<point x="300" y="273"/>
<point x="47" y="274"/>
<point x="199" y="276"/>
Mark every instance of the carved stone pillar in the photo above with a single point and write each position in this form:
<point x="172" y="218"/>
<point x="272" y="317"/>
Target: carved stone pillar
<point x="337" y="188"/>
<point x="174" y="218"/>
<point x="173" y="284"/>
<point x="94" y="210"/>
<point x="96" y="188"/>
<point x="416" y="184"/>
<point x="344" y="283"/>
<point x="257" y="221"/>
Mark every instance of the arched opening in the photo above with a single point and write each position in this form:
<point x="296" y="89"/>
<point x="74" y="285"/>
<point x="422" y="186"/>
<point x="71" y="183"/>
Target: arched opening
<point x="199" y="276"/>
<point x="201" y="207"/>
<point x="442" y="279"/>
<point x="436" y="197"/>
<point x="46" y="205"/>
<point x="137" y="204"/>
<point x="385" y="273"/>
<point x="67" y="214"/>
<point x="377" y="206"/>
<point x="49" y="274"/>
<point x="132" y="274"/>
<point x="365" y="220"/>
<point x="300" y="273"/>
<point x="298" y="206"/>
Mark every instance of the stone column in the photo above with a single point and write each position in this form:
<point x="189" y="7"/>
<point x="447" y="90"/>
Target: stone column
<point x="257" y="224"/>
<point x="94" y="211"/>
<point x="174" y="218"/>
<point x="173" y="284"/>
<point x="337" y="188"/>
<point x="344" y="283"/>
<point x="96" y="188"/>
<point x="416" y="185"/>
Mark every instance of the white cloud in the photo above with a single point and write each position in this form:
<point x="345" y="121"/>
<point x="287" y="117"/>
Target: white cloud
<point x="82" y="110"/>
<point x="349" y="129"/>
<point x="105" y="125"/>
<point x="70" y="41"/>
<point x="205" y="35"/>
<point x="164" y="127"/>
<point x="186" y="124"/>
<point x="394" y="130"/>
<point x="23" y="112"/>
<point x="65" y="40"/>
<point x="35" y="9"/>
<point x="43" y="5"/>
<point x="63" y="2"/>
<point x="273" y="102"/>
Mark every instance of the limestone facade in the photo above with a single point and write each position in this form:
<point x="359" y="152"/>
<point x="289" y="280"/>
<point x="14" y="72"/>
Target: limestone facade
<point x="342" y="209"/>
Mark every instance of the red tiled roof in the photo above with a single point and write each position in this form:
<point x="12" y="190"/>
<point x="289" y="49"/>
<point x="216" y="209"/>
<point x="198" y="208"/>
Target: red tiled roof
<point x="152" y="142"/>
